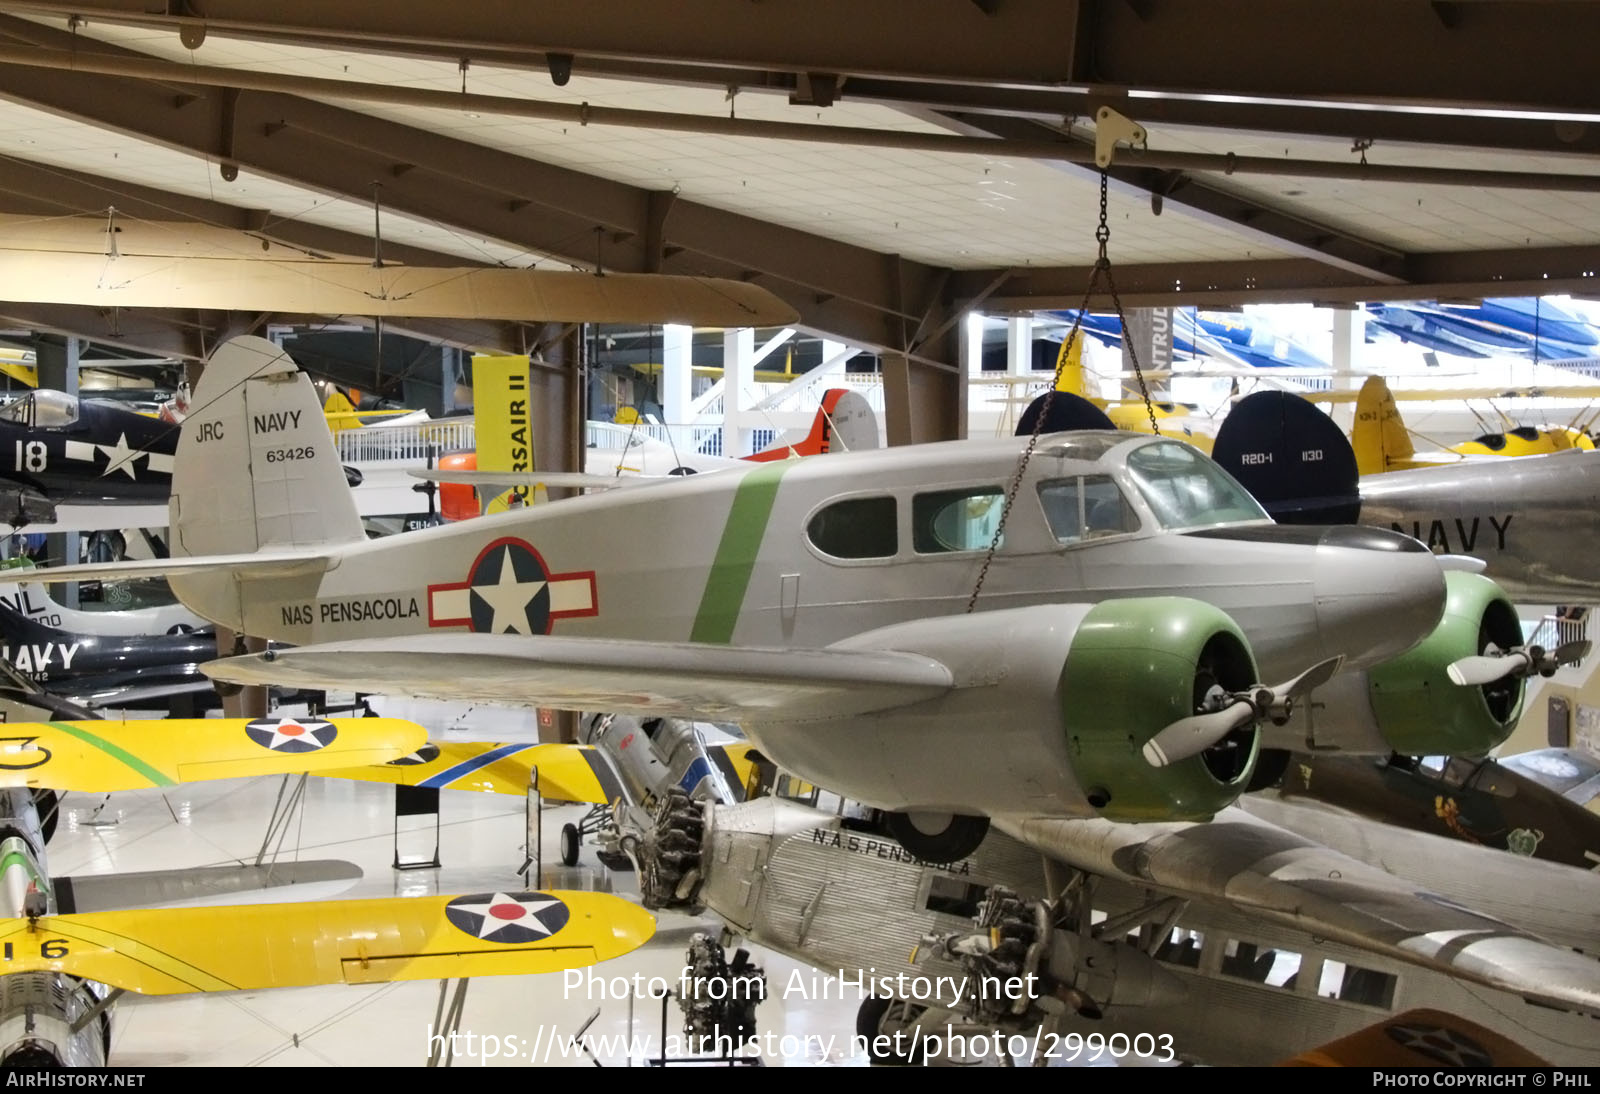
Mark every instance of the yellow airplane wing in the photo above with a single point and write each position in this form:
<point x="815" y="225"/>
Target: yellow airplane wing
<point x="577" y="773"/>
<point x="736" y="764"/>
<point x="102" y="756"/>
<point x="243" y="947"/>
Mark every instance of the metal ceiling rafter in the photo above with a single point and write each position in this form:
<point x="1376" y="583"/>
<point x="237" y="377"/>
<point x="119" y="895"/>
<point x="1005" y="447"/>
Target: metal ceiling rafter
<point x="523" y="202"/>
<point x="1275" y="228"/>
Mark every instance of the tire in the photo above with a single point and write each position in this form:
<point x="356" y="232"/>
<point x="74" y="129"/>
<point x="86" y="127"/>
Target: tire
<point x="570" y="839"/>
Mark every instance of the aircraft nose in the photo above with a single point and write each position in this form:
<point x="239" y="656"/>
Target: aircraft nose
<point x="1378" y="593"/>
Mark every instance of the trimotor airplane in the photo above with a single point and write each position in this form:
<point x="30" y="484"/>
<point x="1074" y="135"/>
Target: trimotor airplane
<point x="61" y="941"/>
<point x="1236" y="942"/>
<point x="1522" y="517"/>
<point x="819" y="603"/>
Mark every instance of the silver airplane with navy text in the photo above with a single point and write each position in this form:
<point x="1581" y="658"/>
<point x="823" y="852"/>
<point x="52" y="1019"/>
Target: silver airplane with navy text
<point x="885" y="624"/>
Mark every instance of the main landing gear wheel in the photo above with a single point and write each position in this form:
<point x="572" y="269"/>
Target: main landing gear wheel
<point x="937" y="837"/>
<point x="569" y="844"/>
<point x="882" y="1023"/>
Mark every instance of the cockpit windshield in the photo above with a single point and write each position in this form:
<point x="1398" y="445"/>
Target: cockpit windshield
<point x="1187" y="490"/>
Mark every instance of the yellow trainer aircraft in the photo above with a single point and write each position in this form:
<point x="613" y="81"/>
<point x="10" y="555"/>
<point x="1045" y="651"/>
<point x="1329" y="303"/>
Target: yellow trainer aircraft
<point x="55" y="954"/>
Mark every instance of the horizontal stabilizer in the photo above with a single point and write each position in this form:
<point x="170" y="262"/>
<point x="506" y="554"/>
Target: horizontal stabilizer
<point x="686" y="679"/>
<point x="574" y="773"/>
<point x="311" y="879"/>
<point x="178" y="950"/>
<point x="256" y="564"/>
<point x="102" y="756"/>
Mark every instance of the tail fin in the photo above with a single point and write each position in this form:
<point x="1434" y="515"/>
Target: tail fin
<point x="1069" y="367"/>
<point x="1292" y="457"/>
<point x="1067" y="411"/>
<point x="1379" y="435"/>
<point x="845" y="422"/>
<point x="256" y="466"/>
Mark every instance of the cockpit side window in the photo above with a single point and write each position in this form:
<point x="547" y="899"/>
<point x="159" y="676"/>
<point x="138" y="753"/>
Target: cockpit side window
<point x="956" y="520"/>
<point x="1091" y="507"/>
<point x="855" y="528"/>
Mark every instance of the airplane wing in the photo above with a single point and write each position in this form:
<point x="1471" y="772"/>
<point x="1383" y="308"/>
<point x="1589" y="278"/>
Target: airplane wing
<point x="178" y="950"/>
<point x="306" y="879"/>
<point x="574" y="773"/>
<point x="558" y="479"/>
<point x="1264" y="871"/>
<point x="102" y="756"/>
<point x="273" y="562"/>
<point x="1570" y="772"/>
<point x="686" y="679"/>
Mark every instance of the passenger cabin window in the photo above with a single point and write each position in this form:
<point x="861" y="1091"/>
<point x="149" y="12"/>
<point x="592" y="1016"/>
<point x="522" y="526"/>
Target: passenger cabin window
<point x="956" y="520"/>
<point x="1261" y="964"/>
<point x="1354" y="984"/>
<point x="1187" y="490"/>
<point x="855" y="528"/>
<point x="1091" y="507"/>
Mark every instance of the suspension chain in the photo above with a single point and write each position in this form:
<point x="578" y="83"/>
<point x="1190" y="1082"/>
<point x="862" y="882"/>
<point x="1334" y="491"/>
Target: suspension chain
<point x="1102" y="269"/>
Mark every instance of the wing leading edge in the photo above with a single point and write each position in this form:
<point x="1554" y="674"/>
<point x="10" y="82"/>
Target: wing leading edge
<point x="1261" y="869"/>
<point x="175" y="951"/>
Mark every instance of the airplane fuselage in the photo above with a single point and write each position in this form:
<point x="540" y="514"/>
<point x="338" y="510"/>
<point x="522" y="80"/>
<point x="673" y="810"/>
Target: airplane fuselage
<point x="807" y="553"/>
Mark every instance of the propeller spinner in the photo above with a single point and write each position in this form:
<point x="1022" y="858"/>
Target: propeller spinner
<point x="1228" y="711"/>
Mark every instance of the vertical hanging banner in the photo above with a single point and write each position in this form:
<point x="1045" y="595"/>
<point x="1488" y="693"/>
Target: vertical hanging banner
<point x="1148" y="332"/>
<point x="503" y="424"/>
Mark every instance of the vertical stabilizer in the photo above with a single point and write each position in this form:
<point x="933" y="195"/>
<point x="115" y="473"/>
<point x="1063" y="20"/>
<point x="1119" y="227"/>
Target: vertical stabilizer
<point x="1379" y="435"/>
<point x="1069" y="367"/>
<point x="845" y="422"/>
<point x="256" y="466"/>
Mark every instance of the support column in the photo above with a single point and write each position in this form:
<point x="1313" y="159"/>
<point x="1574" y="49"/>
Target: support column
<point x="57" y="359"/>
<point x="1349" y="330"/>
<point x="557" y="393"/>
<point x="1019" y="345"/>
<point x="738" y="374"/>
<point x="677" y="374"/>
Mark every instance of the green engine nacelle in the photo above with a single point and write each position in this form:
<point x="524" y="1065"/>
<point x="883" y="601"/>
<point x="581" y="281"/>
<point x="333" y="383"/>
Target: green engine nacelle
<point x="1419" y="710"/>
<point x="1135" y="667"/>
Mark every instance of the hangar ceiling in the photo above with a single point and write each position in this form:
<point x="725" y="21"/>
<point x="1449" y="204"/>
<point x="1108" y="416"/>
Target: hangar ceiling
<point x="879" y="167"/>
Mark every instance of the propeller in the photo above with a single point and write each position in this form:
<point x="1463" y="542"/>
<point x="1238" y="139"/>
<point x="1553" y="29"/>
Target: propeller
<point x="1223" y="712"/>
<point x="1494" y="665"/>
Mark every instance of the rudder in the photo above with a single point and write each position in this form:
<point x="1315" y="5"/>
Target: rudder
<point x="1379" y="434"/>
<point x="256" y="465"/>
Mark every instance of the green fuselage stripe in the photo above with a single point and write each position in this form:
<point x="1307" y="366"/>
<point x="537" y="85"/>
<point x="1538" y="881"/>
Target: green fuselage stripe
<point x="156" y="777"/>
<point x="736" y="554"/>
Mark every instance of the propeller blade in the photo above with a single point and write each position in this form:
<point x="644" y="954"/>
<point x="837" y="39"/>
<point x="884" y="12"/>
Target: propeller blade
<point x="1193" y="735"/>
<point x="1314" y="677"/>
<point x="1479" y="670"/>
<point x="1572" y="653"/>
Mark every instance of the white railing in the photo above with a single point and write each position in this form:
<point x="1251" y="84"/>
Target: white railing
<point x="405" y="442"/>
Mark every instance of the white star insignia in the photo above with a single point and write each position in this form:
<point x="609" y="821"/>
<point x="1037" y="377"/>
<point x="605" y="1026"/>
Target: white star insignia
<point x="281" y="736"/>
<point x="119" y="457"/>
<point x="509" y="598"/>
<point x="501" y="911"/>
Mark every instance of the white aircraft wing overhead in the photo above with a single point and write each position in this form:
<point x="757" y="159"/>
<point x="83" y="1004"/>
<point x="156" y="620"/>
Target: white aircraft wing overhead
<point x="1269" y="873"/>
<point x="559" y="479"/>
<point x="686" y="679"/>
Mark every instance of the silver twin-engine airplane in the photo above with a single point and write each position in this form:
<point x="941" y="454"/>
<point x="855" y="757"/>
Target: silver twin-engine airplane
<point x="1110" y="673"/>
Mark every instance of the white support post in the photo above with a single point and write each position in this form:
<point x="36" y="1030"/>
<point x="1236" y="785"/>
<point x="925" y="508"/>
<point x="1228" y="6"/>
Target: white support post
<point x="1349" y="329"/>
<point x="677" y="374"/>
<point x="739" y="376"/>
<point x="972" y="345"/>
<point x="1019" y="345"/>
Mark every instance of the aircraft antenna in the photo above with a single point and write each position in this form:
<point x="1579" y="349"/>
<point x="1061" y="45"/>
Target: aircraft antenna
<point x="1101" y="271"/>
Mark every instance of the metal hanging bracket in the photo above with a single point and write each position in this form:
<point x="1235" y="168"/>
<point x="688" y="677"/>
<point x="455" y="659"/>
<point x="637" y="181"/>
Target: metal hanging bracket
<point x="1111" y="127"/>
